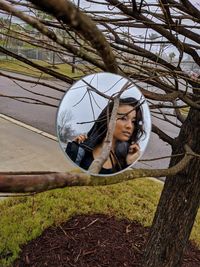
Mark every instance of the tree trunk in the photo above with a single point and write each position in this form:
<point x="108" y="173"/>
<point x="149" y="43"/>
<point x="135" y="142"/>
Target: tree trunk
<point x="179" y="203"/>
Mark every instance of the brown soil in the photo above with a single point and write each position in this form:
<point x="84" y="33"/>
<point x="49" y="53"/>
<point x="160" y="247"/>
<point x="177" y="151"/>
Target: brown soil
<point x="93" y="241"/>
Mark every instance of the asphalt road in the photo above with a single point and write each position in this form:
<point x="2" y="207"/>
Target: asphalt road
<point x="44" y="117"/>
<point x="39" y="116"/>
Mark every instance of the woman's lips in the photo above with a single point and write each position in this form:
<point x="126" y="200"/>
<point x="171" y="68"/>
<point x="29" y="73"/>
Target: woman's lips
<point x="128" y="134"/>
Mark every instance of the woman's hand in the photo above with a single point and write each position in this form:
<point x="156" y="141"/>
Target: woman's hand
<point x="80" y="138"/>
<point x="133" y="154"/>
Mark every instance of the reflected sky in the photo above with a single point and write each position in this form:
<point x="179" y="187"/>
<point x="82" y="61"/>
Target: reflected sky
<point x="84" y="105"/>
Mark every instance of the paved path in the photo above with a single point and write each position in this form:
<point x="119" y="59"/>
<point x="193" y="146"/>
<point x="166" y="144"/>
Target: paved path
<point x="25" y="148"/>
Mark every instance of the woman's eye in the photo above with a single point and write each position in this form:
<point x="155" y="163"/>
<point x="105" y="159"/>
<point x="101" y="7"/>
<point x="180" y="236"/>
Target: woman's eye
<point x="124" y="118"/>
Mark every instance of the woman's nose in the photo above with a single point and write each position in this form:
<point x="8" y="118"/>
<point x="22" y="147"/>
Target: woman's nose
<point x="129" y="124"/>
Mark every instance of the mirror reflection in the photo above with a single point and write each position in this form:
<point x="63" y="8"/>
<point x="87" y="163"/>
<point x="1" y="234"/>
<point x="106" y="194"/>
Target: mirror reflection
<point x="85" y="127"/>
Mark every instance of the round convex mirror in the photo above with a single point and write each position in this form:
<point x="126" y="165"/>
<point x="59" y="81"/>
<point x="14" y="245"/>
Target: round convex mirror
<point x="84" y="115"/>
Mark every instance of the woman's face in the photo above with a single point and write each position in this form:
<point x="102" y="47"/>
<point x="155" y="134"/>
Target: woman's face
<point x="124" y="126"/>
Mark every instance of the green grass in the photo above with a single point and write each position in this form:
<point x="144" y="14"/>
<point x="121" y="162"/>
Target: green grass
<point x="20" y="67"/>
<point x="22" y="219"/>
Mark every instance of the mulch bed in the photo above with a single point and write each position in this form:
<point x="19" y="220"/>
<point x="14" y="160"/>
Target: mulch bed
<point x="93" y="241"/>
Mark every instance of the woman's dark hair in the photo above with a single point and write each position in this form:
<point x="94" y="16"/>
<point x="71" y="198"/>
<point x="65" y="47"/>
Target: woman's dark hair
<point x="98" y="131"/>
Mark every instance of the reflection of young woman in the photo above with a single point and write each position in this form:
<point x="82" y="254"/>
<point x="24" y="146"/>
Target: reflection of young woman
<point x="125" y="149"/>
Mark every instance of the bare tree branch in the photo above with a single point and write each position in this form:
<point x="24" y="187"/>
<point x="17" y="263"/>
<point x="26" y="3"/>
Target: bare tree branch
<point x="41" y="182"/>
<point x="162" y="135"/>
<point x="69" y="14"/>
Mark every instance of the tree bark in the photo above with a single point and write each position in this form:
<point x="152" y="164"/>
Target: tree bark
<point x="179" y="203"/>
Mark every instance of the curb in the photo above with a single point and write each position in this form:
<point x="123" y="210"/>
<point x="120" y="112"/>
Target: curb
<point x="31" y="128"/>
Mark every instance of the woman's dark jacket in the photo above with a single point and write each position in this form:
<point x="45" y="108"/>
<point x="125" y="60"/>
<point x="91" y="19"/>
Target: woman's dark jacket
<point x="83" y="157"/>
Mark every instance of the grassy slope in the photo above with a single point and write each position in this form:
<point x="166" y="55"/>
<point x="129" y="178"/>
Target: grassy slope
<point x="23" y="219"/>
<point x="20" y="67"/>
